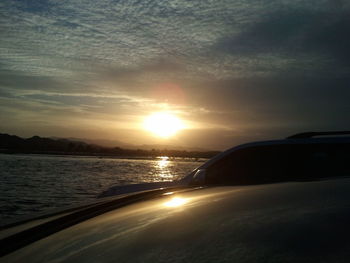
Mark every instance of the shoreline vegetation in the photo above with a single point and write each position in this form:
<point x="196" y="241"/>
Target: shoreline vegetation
<point x="11" y="144"/>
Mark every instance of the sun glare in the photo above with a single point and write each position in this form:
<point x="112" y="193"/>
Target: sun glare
<point x="175" y="202"/>
<point x="163" y="124"/>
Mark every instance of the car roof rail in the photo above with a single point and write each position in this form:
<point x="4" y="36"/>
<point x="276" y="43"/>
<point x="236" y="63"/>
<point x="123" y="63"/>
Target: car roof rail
<point x="305" y="135"/>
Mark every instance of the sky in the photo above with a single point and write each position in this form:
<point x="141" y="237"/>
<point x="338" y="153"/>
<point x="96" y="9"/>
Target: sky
<point x="232" y="71"/>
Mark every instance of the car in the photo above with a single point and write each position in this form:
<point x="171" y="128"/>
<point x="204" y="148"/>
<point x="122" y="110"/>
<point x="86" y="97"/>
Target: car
<point x="272" y="201"/>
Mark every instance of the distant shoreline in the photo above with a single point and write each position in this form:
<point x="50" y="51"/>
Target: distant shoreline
<point x="98" y="155"/>
<point x="12" y="144"/>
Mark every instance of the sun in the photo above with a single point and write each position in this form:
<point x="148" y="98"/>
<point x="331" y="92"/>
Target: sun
<point x="163" y="124"/>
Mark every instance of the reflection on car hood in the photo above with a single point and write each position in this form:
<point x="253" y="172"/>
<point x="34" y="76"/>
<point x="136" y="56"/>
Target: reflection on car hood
<point x="289" y="222"/>
<point x="132" y="188"/>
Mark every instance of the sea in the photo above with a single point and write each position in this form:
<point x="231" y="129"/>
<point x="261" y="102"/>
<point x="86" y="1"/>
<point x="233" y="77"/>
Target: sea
<point x="32" y="185"/>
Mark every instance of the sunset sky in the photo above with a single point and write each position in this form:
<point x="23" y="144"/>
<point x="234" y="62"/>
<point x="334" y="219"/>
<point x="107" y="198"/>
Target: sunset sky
<point x="229" y="71"/>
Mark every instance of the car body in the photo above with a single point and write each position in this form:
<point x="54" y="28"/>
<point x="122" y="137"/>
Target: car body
<point x="203" y="218"/>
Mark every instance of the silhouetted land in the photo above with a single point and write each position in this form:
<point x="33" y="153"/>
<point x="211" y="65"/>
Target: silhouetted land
<point x="38" y="145"/>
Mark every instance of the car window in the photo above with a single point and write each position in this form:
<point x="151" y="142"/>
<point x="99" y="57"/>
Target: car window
<point x="276" y="163"/>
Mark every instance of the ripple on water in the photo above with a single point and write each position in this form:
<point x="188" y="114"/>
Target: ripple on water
<point x="38" y="183"/>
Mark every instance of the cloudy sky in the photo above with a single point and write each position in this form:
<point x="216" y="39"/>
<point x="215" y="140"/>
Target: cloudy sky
<point x="231" y="70"/>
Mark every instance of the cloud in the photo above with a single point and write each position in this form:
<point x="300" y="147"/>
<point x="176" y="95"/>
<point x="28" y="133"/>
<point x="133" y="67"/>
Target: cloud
<point x="284" y="100"/>
<point x="319" y="35"/>
<point x="223" y="65"/>
<point x="135" y="76"/>
<point x="19" y="80"/>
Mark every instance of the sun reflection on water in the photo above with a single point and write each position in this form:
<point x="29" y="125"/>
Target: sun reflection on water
<point x="162" y="169"/>
<point x="163" y="162"/>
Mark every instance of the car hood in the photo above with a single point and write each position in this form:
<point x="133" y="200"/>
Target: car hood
<point x="289" y="222"/>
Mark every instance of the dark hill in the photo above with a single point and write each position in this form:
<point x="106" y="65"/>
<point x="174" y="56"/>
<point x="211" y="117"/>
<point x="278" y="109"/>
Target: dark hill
<point x="36" y="144"/>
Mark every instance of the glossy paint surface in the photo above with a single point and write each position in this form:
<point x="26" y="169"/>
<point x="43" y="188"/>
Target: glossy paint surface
<point x="289" y="222"/>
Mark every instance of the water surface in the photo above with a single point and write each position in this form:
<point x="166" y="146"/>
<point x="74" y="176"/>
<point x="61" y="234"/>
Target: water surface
<point x="32" y="184"/>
